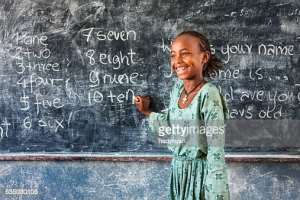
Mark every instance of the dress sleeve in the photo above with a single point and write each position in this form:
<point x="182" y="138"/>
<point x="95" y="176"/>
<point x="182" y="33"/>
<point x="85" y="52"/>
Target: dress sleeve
<point x="161" y="119"/>
<point x="158" y="119"/>
<point x="215" y="113"/>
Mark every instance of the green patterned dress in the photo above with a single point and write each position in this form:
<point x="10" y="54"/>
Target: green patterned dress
<point x="196" y="136"/>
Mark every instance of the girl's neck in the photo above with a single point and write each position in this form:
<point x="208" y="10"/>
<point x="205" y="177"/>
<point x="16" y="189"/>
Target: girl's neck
<point x="190" y="84"/>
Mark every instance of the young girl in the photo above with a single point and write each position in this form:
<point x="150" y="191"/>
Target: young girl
<point x="198" y="168"/>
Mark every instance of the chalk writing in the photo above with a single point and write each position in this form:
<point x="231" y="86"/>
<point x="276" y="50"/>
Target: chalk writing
<point x="272" y="50"/>
<point x="4" y="127"/>
<point x="117" y="59"/>
<point x="275" y="50"/>
<point x="96" y="79"/>
<point x="97" y="96"/>
<point x="30" y="40"/>
<point x="240" y="49"/>
<point x="102" y="35"/>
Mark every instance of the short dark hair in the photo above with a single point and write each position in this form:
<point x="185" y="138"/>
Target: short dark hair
<point x="214" y="64"/>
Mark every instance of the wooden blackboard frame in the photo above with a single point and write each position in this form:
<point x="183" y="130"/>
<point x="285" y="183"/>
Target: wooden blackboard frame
<point x="231" y="157"/>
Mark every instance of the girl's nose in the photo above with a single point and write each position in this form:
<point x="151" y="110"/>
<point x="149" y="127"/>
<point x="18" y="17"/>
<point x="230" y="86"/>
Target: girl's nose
<point x="177" y="60"/>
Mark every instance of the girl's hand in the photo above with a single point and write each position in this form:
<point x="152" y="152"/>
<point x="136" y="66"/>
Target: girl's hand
<point x="143" y="104"/>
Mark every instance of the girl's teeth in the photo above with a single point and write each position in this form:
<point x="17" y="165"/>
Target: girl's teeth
<point x="180" y="69"/>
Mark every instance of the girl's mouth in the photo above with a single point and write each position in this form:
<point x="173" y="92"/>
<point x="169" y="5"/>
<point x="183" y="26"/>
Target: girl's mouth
<point x="181" y="69"/>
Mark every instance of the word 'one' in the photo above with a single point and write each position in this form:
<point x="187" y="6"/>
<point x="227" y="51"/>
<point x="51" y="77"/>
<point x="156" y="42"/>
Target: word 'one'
<point x="30" y="39"/>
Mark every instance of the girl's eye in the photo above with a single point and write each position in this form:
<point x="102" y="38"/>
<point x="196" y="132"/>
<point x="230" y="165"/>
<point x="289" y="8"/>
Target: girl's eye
<point x="185" y="53"/>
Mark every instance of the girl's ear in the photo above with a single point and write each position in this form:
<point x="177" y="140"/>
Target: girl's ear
<point x="172" y="70"/>
<point x="206" y="57"/>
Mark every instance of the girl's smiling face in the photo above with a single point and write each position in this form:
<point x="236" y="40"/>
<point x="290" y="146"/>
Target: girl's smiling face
<point x="187" y="59"/>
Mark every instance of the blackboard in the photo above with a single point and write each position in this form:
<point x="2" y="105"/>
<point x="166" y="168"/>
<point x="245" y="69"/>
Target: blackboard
<point x="69" y="70"/>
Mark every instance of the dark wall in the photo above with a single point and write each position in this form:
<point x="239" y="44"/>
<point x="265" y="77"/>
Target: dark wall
<point x="136" y="181"/>
<point x="69" y="70"/>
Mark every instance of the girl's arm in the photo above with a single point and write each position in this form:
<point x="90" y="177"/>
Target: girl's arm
<point x="215" y="113"/>
<point x="161" y="119"/>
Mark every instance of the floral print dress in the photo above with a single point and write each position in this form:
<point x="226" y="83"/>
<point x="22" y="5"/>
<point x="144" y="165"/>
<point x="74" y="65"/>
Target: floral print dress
<point x="196" y="137"/>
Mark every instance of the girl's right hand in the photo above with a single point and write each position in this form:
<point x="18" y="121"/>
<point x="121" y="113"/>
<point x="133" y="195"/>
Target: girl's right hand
<point x="143" y="104"/>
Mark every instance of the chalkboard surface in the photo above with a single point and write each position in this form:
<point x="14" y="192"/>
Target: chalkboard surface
<point x="69" y="70"/>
